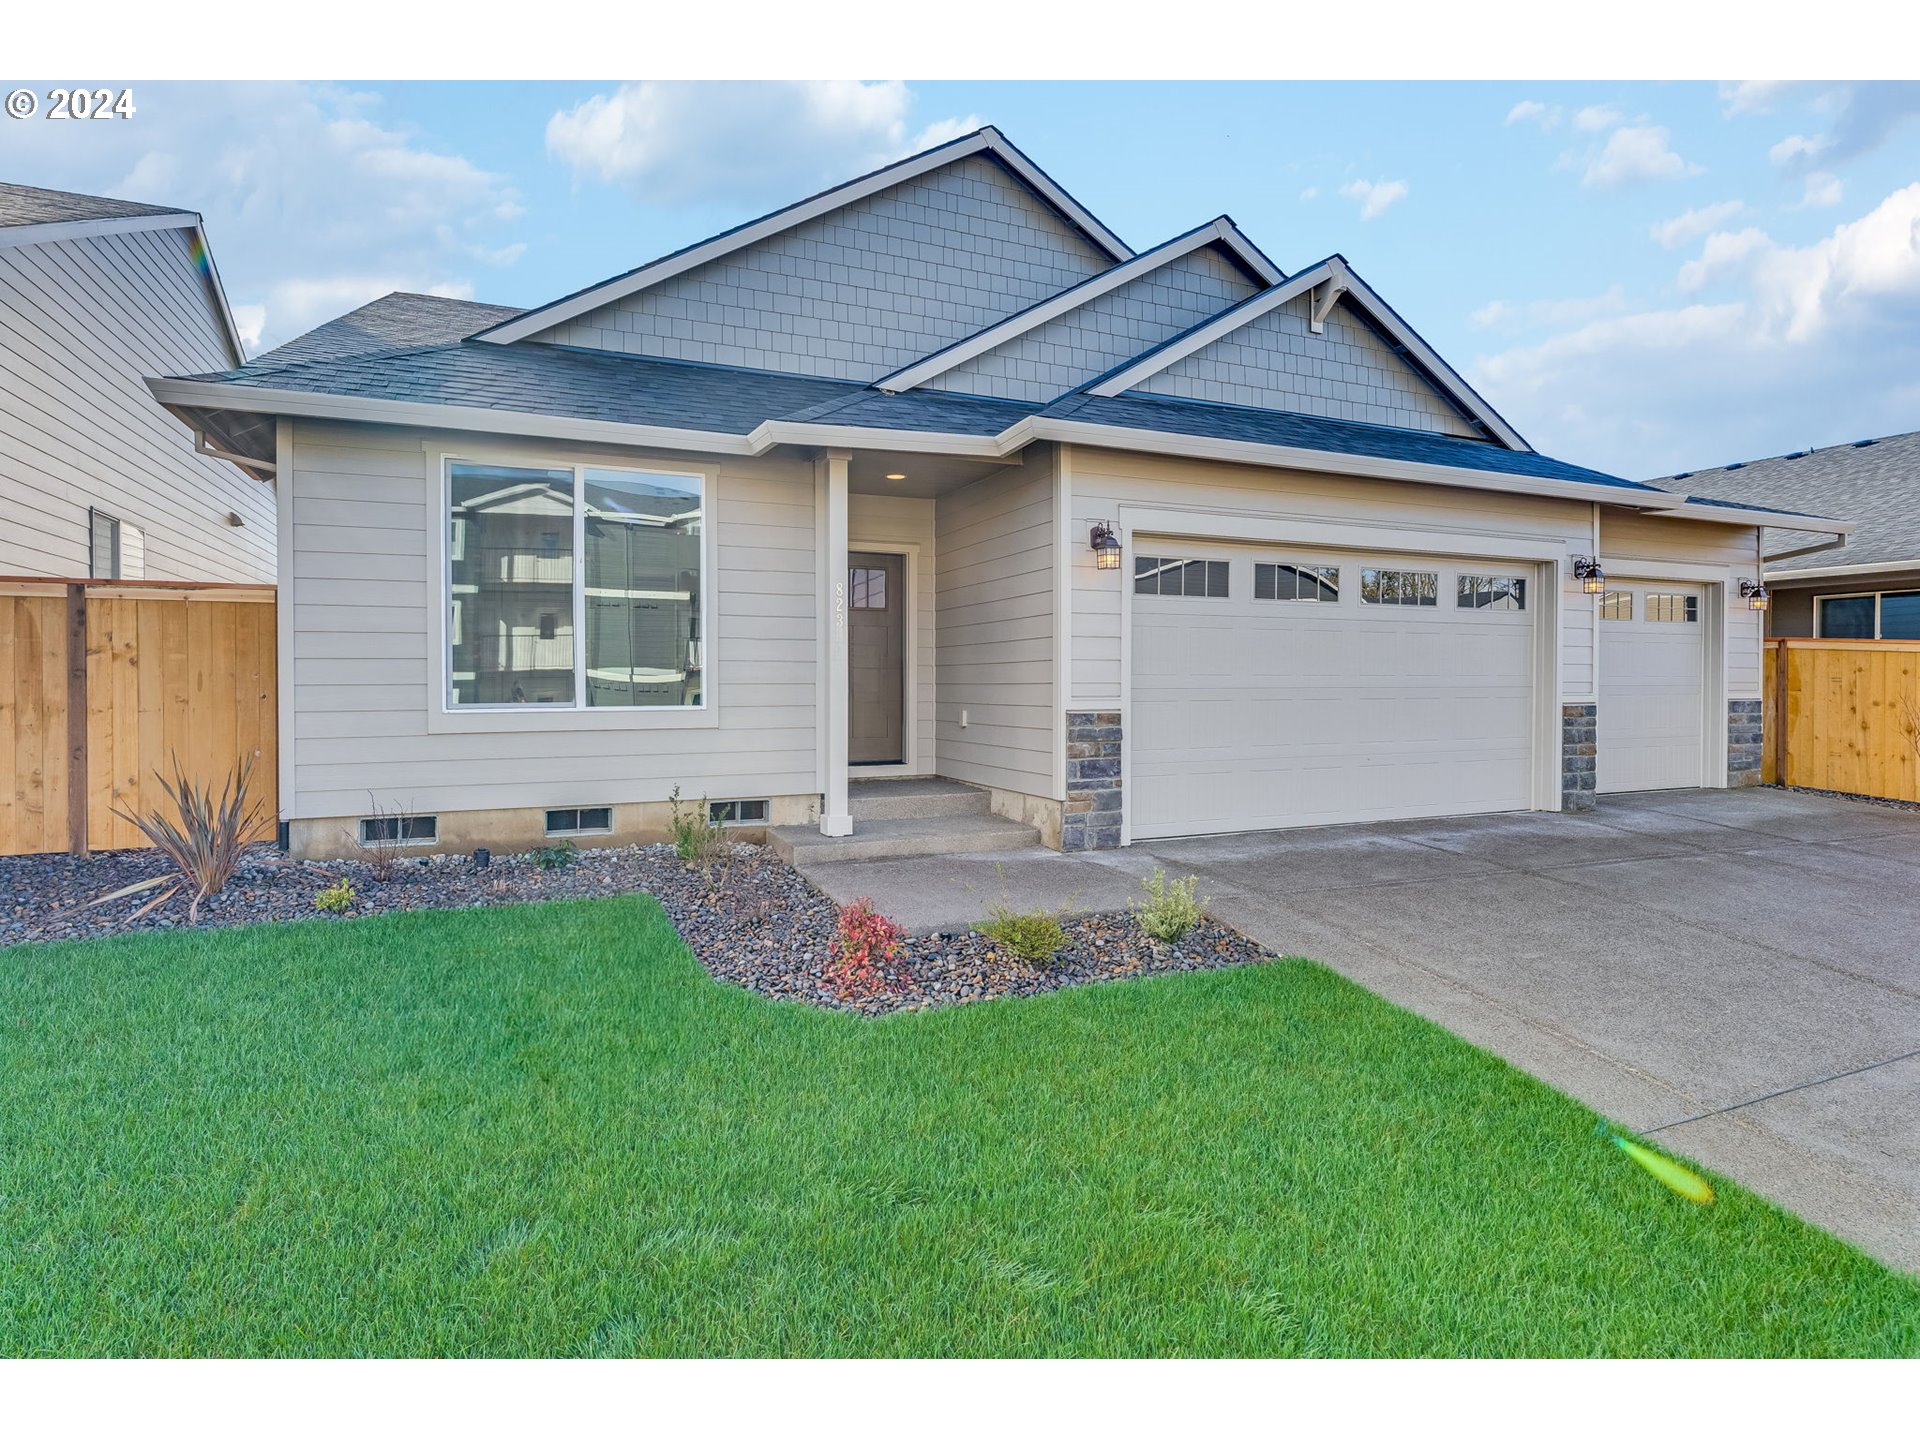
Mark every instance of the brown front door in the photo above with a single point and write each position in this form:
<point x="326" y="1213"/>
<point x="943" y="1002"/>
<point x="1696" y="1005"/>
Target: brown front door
<point x="876" y="659"/>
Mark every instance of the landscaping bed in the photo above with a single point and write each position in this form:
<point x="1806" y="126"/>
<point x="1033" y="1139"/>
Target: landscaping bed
<point x="750" y="919"/>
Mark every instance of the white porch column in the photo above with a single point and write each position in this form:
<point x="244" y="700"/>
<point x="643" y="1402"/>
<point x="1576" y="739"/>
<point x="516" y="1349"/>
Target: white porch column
<point x="836" y="818"/>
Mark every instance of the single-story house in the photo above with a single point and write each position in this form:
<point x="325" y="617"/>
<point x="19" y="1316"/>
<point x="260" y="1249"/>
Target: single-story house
<point x="96" y="480"/>
<point x="932" y="475"/>
<point x="1862" y="586"/>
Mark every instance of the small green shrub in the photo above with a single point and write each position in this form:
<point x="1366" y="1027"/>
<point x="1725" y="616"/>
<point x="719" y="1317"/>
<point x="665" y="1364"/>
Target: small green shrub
<point x="1170" y="909"/>
<point x="556" y="857"/>
<point x="337" y="898"/>
<point x="1036" y="936"/>
<point x="697" y="837"/>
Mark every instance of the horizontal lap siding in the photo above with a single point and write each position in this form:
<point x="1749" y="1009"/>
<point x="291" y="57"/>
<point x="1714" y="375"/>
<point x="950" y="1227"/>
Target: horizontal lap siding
<point x="1698" y="542"/>
<point x="995" y="626"/>
<point x="365" y="574"/>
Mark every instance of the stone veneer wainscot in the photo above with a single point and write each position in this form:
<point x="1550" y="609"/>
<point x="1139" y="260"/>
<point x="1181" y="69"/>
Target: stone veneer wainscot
<point x="1091" y="818"/>
<point x="1578" y="746"/>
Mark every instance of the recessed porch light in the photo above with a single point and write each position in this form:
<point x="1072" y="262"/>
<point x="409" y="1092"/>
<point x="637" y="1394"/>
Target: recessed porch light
<point x="896" y="476"/>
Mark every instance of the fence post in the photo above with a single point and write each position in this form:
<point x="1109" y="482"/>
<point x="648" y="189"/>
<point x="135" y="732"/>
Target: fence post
<point x="77" y="778"/>
<point x="1782" y="658"/>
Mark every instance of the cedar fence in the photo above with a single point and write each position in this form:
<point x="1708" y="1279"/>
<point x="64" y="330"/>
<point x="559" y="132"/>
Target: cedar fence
<point x="1840" y="713"/>
<point x="104" y="682"/>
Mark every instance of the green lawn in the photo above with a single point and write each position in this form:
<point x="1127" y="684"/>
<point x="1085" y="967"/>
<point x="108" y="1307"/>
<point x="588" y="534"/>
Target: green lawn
<point x="544" y="1130"/>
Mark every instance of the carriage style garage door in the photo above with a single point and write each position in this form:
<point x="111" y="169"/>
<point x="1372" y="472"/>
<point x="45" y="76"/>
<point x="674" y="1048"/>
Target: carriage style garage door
<point x="1273" y="688"/>
<point x="1652" y="668"/>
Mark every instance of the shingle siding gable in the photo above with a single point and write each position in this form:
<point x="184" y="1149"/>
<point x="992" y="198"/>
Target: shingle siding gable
<point x="862" y="291"/>
<point x="1070" y="350"/>
<point x="1345" y="373"/>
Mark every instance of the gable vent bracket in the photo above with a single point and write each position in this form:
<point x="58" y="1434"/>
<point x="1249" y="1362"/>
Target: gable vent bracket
<point x="1322" y="299"/>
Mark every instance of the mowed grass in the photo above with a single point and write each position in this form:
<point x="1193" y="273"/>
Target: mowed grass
<point x="545" y="1131"/>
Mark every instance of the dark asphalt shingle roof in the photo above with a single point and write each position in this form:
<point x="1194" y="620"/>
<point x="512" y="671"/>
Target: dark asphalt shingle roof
<point x="1311" y="432"/>
<point x="30" y="205"/>
<point x="1875" y="484"/>
<point x="393" y="322"/>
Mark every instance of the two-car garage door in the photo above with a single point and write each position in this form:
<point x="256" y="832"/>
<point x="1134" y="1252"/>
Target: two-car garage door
<point x="1277" y="688"/>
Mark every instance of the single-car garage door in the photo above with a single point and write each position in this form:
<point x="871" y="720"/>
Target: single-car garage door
<point x="1273" y="688"/>
<point x="1652" y="668"/>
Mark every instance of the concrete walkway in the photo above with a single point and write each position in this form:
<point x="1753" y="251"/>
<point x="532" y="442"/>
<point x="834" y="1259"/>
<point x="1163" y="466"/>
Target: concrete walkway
<point x="1736" y="971"/>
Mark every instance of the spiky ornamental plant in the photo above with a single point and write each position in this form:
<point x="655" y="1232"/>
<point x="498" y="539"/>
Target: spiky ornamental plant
<point x="206" y="842"/>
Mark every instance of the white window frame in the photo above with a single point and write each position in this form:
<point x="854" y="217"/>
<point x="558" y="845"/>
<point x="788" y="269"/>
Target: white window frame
<point x="1878" y="596"/>
<point x="443" y="717"/>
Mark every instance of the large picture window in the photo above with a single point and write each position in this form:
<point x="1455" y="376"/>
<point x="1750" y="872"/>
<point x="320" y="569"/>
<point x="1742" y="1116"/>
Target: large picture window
<point x="574" y="587"/>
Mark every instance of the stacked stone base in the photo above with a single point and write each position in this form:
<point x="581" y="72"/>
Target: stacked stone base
<point x="1579" y="744"/>
<point x="1090" y="820"/>
<point x="1746" y="741"/>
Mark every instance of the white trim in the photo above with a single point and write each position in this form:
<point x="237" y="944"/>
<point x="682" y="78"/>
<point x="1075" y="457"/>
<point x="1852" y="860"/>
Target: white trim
<point x="1201" y="336"/>
<point x="1066" y="532"/>
<point x="1834" y="572"/>
<point x="909" y="551"/>
<point x="51" y="232"/>
<point x="1767" y="519"/>
<point x="836" y="817"/>
<point x="986" y="140"/>
<point x="445" y="718"/>
<point x="285" y="598"/>
<point x="1878" y="596"/>
<point x="1685" y="572"/>
<point x="1220" y="231"/>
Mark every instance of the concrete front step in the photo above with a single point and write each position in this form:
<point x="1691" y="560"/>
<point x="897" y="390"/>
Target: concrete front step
<point x="801" y="845"/>
<point x="913" y="799"/>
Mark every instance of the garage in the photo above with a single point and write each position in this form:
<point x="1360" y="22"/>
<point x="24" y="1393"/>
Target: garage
<point x="1274" y="687"/>
<point x="1651" y="733"/>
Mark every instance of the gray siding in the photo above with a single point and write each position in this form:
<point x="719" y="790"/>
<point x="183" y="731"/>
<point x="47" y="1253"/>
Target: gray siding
<point x="365" y="520"/>
<point x="995" y="593"/>
<point x="82" y="323"/>
<point x="1053" y="358"/>
<point x="1346" y="373"/>
<point x="861" y="291"/>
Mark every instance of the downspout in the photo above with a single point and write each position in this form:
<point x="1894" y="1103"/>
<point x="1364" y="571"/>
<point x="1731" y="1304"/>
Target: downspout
<point x="1834" y="544"/>
<point x="1594" y="606"/>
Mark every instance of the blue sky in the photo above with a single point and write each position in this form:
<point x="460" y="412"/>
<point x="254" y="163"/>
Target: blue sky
<point x="1642" y="277"/>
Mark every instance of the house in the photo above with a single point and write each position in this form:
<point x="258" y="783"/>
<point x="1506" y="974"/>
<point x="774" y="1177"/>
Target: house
<point x="95" y="478"/>
<point x="932" y="475"/>
<point x="1863" y="586"/>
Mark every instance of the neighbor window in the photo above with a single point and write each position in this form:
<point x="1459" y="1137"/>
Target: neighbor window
<point x="399" y="829"/>
<point x="574" y="587"/>
<point x="1399" y="587"/>
<point x="115" y="550"/>
<point x="1892" y="615"/>
<point x="1297" y="582"/>
<point x="586" y="820"/>
<point x="1165" y="575"/>
<point x="1616" y="605"/>
<point x="1673" y="607"/>
<point x="1492" y="592"/>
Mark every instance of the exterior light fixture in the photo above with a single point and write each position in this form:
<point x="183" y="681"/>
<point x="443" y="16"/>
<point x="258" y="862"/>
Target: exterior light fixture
<point x="1754" y="594"/>
<point x="1593" y="580"/>
<point x="896" y="476"/>
<point x="1106" y="546"/>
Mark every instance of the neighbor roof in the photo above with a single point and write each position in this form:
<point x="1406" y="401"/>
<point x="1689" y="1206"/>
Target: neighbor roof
<point x="1875" y="483"/>
<point x="398" y="321"/>
<point x="30" y="205"/>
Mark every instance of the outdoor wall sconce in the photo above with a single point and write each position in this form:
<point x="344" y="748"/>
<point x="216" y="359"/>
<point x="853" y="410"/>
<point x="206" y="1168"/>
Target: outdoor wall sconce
<point x="1593" y="580"/>
<point x="1755" y="595"/>
<point x="1106" y="546"/>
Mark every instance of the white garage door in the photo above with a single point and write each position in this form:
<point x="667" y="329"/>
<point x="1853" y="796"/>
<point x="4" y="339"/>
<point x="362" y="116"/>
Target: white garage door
<point x="1652" y="667"/>
<point x="1275" y="688"/>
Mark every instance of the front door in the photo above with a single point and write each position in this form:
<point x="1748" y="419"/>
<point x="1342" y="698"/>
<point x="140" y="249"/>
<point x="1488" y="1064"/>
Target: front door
<point x="876" y="659"/>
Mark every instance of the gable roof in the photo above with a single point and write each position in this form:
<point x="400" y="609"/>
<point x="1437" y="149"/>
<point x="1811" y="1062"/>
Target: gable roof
<point x="1330" y="281"/>
<point x="1219" y="231"/>
<point x="987" y="141"/>
<point x="30" y="205"/>
<point x="1873" y="482"/>
<point x="397" y="321"/>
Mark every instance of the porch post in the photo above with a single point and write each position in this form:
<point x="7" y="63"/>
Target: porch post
<point x="836" y="817"/>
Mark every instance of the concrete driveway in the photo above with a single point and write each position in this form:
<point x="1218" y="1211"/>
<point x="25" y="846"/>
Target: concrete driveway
<point x="1735" y="971"/>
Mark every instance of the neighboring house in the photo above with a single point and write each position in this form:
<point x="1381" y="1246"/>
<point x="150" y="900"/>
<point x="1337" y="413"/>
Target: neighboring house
<point x="1866" y="588"/>
<point x="95" y="478"/>
<point x="932" y="475"/>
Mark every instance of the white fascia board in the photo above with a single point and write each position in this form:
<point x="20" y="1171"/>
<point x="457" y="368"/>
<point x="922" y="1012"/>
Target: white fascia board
<point x="769" y="433"/>
<point x="1786" y="573"/>
<point x="1221" y="231"/>
<point x="1767" y="519"/>
<point x="988" y="139"/>
<point x="56" y="230"/>
<point x="1202" y="336"/>
<point x="220" y="295"/>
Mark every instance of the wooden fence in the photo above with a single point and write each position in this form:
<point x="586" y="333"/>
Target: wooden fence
<point x="1837" y="715"/>
<point x="102" y="683"/>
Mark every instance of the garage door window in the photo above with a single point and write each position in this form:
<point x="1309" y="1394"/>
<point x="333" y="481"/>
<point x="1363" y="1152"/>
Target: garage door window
<point x="1315" y="583"/>
<point x="1616" y="605"/>
<point x="1400" y="587"/>
<point x="1492" y="592"/>
<point x="1684" y="608"/>
<point x="1168" y="575"/>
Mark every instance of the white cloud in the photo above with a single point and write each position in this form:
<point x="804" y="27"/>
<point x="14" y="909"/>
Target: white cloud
<point x="1795" y="148"/>
<point x="1810" y="338"/>
<point x="1546" y="314"/>
<point x="1375" y="197"/>
<point x="1822" y="190"/>
<point x="311" y="194"/>
<point x="1861" y="117"/>
<point x="1635" y="153"/>
<point x="1753" y="97"/>
<point x="1494" y="315"/>
<point x="1690" y="225"/>
<point x="1534" y="112"/>
<point x="1312" y="192"/>
<point x="1596" y="117"/>
<point x="248" y="319"/>
<point x="673" y="142"/>
<point x="1723" y="252"/>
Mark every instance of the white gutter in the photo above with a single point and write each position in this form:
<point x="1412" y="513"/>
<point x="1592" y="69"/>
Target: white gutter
<point x="53" y="231"/>
<point x="1688" y="509"/>
<point x="1833" y="572"/>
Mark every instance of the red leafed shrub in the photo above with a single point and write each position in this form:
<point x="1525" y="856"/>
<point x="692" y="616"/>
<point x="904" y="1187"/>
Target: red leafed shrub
<point x="864" y="950"/>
